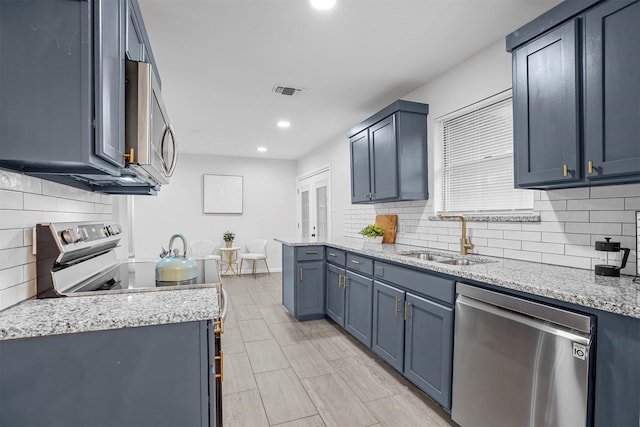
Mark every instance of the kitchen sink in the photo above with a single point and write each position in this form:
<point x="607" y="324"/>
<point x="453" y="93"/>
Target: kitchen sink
<point x="425" y="256"/>
<point x="442" y="259"/>
<point x="459" y="262"/>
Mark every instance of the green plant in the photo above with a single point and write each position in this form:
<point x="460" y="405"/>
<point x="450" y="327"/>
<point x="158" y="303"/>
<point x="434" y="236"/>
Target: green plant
<point x="372" y="231"/>
<point x="228" y="236"/>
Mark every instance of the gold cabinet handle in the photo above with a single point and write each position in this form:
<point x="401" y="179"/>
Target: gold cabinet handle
<point x="221" y="359"/>
<point x="565" y="170"/>
<point x="218" y="327"/>
<point x="406" y="309"/>
<point x="301" y="274"/>
<point x="590" y="165"/>
<point x="129" y="157"/>
<point x="332" y="254"/>
<point x="353" y="261"/>
<point x="339" y="280"/>
<point x="395" y="310"/>
<point x="312" y="252"/>
<point x="344" y="282"/>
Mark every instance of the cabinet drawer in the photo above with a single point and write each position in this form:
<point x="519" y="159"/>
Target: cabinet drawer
<point x="309" y="253"/>
<point x="417" y="281"/>
<point x="335" y="256"/>
<point x="360" y="264"/>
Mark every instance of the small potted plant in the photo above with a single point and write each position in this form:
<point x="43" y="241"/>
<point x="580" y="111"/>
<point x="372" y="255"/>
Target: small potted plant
<point x="228" y="237"/>
<point x="372" y="234"/>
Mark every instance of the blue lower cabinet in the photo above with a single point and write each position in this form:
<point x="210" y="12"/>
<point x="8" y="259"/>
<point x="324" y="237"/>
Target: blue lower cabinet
<point x="388" y="324"/>
<point x="358" y="307"/>
<point x="336" y="279"/>
<point x="429" y="347"/>
<point x="303" y="286"/>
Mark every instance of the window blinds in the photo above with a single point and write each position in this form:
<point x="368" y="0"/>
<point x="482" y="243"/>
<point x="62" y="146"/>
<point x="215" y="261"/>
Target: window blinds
<point x="477" y="160"/>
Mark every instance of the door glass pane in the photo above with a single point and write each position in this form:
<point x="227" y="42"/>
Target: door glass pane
<point x="305" y="220"/>
<point x="321" y="210"/>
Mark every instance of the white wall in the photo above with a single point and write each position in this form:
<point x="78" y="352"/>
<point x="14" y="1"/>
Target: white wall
<point x="571" y="220"/>
<point x="24" y="202"/>
<point x="268" y="206"/>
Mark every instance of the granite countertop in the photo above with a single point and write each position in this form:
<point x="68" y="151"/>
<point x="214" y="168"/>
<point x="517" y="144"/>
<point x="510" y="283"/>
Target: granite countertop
<point x="87" y="313"/>
<point x="620" y="295"/>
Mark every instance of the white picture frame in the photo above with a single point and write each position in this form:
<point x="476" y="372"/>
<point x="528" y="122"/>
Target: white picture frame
<point x="222" y="194"/>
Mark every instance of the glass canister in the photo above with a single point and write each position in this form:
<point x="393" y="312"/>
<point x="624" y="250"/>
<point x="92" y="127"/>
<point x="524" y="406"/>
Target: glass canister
<point x="609" y="258"/>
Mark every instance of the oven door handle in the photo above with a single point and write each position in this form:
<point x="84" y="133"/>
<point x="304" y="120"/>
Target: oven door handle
<point x="225" y="305"/>
<point x="174" y="156"/>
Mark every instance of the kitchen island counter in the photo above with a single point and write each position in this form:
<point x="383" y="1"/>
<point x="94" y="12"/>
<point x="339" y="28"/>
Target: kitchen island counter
<point x="619" y="295"/>
<point x="89" y="313"/>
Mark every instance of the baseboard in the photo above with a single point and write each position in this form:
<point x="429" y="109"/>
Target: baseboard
<point x="248" y="272"/>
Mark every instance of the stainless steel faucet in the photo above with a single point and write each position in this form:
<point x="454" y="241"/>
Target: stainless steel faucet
<point x="465" y="244"/>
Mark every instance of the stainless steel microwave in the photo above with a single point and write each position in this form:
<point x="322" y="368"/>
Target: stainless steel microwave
<point x="149" y="137"/>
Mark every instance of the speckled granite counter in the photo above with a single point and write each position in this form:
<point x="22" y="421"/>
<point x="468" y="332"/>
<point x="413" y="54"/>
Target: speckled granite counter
<point x="55" y="316"/>
<point x="583" y="287"/>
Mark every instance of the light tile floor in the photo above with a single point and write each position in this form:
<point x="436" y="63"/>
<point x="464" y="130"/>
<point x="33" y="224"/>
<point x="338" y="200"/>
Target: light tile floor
<point x="281" y="372"/>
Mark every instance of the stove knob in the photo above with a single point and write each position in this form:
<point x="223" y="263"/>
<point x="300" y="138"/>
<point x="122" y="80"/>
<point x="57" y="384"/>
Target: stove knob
<point x="117" y="229"/>
<point x="104" y="232"/>
<point x="69" y="236"/>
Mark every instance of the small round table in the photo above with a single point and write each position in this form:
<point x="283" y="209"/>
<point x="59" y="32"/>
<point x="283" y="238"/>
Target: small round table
<point x="229" y="258"/>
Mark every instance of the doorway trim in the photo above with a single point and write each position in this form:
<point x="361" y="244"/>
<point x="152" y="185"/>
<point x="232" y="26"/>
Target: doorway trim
<point x="299" y="179"/>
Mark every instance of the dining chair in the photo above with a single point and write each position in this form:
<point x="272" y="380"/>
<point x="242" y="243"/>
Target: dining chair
<point x="206" y="250"/>
<point x="256" y="250"/>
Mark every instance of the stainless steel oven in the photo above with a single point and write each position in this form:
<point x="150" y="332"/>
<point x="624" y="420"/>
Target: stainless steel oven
<point x="149" y="137"/>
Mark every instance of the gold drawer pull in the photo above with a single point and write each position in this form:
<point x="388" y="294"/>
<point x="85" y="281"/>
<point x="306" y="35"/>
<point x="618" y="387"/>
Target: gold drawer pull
<point x="395" y="310"/>
<point x="353" y="261"/>
<point x="221" y="359"/>
<point x="590" y="166"/>
<point x="301" y="274"/>
<point x="332" y="254"/>
<point x="218" y="327"/>
<point x="406" y="309"/>
<point x="312" y="252"/>
<point x="565" y="170"/>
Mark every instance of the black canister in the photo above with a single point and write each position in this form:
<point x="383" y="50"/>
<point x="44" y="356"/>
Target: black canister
<point x="608" y="254"/>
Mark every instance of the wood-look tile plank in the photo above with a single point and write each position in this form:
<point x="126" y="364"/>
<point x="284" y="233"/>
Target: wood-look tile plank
<point x="266" y="356"/>
<point x="287" y="333"/>
<point x="306" y="360"/>
<point x="367" y="378"/>
<point x="404" y="410"/>
<point x="334" y="346"/>
<point x="248" y="312"/>
<point x="241" y="298"/>
<point x="276" y="313"/>
<point x="254" y="330"/>
<point x="283" y="396"/>
<point x="232" y="341"/>
<point x="238" y="375"/>
<point x="244" y="409"/>
<point x="315" y="421"/>
<point x="337" y="404"/>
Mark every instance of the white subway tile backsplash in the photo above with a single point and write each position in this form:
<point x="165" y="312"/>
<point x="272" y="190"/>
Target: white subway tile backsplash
<point x="613" y="216"/>
<point x="628" y="229"/>
<point x="509" y="244"/>
<point x="595" y="204"/>
<point x="549" y="205"/>
<point x="565" y="194"/>
<point x="533" y="236"/>
<point x="632" y="203"/>
<point x="523" y="255"/>
<point x="628" y="190"/>
<point x="11" y="199"/>
<point x="11" y="238"/>
<point x="581" y="251"/>
<point x="504" y="226"/>
<point x="492" y="234"/>
<point x="561" y="216"/>
<point x="593" y="228"/>
<point x="567" y="238"/>
<point x="24" y="202"/>
<point x="551" y="227"/>
<point x="489" y="251"/>
<point x="552" y="248"/>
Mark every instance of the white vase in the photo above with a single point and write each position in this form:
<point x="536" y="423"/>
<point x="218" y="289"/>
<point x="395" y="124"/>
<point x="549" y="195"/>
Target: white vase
<point x="375" y="240"/>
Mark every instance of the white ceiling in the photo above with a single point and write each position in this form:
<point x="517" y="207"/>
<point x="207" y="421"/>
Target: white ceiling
<point x="220" y="59"/>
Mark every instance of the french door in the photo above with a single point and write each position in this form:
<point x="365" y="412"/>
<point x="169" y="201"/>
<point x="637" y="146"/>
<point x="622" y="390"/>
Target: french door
<point x="313" y="199"/>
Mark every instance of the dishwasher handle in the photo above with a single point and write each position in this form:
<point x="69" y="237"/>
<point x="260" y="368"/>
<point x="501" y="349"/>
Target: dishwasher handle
<point x="532" y="322"/>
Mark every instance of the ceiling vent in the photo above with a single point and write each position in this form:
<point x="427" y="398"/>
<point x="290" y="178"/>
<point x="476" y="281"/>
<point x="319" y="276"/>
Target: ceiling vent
<point x="286" y="90"/>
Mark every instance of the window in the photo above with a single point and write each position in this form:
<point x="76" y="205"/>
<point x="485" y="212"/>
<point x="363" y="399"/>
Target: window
<point x="474" y="160"/>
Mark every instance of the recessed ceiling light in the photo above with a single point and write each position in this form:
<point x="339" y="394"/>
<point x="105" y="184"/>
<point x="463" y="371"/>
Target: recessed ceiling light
<point x="323" y="4"/>
<point x="262" y="149"/>
<point x="283" y="124"/>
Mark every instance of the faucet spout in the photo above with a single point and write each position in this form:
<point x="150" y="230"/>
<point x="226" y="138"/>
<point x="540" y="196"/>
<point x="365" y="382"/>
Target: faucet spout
<point x="465" y="244"/>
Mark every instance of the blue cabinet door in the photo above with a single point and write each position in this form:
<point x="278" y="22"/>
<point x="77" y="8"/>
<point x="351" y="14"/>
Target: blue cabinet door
<point x="109" y="44"/>
<point x="358" y="307"/>
<point x="135" y="38"/>
<point x="335" y="293"/>
<point x="388" y="324"/>
<point x="429" y="347"/>
<point x="360" y="167"/>
<point x="309" y="290"/>
<point x="546" y="113"/>
<point x="384" y="159"/>
<point x="612" y="90"/>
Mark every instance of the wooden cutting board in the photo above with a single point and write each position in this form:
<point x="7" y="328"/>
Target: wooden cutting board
<point x="389" y="224"/>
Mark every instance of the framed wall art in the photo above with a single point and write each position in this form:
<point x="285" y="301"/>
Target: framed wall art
<point x="222" y="194"/>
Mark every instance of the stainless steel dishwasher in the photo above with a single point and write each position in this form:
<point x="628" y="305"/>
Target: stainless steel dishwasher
<point x="519" y="363"/>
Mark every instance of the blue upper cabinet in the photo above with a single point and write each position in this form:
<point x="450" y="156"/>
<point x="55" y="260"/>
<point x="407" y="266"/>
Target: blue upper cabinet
<point x="389" y="155"/>
<point x="63" y="96"/>
<point x="576" y="125"/>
